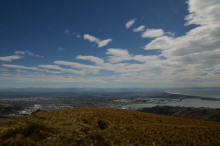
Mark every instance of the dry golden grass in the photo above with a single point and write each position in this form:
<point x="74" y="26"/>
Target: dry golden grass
<point x="79" y="126"/>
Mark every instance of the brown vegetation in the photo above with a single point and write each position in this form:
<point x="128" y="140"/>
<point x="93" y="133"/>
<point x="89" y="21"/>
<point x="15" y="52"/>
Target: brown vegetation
<point x="208" y="114"/>
<point x="106" y="127"/>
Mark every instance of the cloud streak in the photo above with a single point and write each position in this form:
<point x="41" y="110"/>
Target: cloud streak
<point x="61" y="49"/>
<point x="129" y="23"/>
<point x="91" y="58"/>
<point x="10" y="58"/>
<point x="100" y="43"/>
<point x="140" y="28"/>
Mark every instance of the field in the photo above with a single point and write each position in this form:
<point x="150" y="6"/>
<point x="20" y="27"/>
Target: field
<point x="98" y="126"/>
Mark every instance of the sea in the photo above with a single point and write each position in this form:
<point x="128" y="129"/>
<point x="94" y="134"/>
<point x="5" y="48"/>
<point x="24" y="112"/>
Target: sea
<point x="213" y="93"/>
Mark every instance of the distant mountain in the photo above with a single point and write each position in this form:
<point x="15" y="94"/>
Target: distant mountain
<point x="95" y="89"/>
<point x="106" y="127"/>
<point x="80" y="89"/>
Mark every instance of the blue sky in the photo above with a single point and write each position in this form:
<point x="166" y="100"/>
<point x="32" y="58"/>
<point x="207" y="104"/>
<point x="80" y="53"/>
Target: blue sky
<point x="109" y="43"/>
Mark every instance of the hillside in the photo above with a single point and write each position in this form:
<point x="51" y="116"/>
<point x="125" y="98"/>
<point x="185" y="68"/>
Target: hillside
<point x="6" y="109"/>
<point x="207" y="114"/>
<point x="105" y="127"/>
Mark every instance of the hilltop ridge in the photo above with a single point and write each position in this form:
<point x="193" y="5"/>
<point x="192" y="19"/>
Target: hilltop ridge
<point x="208" y="114"/>
<point x="106" y="126"/>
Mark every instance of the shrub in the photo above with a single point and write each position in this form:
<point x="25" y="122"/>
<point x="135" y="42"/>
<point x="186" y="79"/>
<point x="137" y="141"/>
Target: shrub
<point x="102" y="125"/>
<point x="34" y="129"/>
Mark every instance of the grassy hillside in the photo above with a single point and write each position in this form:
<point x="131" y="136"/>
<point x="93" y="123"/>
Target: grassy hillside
<point x="207" y="114"/>
<point x="200" y="113"/>
<point x="105" y="127"/>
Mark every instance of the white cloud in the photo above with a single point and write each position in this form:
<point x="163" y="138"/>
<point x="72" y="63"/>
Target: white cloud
<point x="61" y="49"/>
<point x="75" y="65"/>
<point x="142" y="58"/>
<point x="56" y="67"/>
<point x="78" y="36"/>
<point x="20" y="67"/>
<point x="130" y="23"/>
<point x="203" y="12"/>
<point x="159" y="43"/>
<point x="90" y="38"/>
<point x="20" y="52"/>
<point x="197" y="51"/>
<point x="100" y="43"/>
<point x="188" y="57"/>
<point x="103" y="42"/>
<point x="10" y="58"/>
<point x="140" y="28"/>
<point x="119" y="55"/>
<point x="170" y="33"/>
<point x="91" y="58"/>
<point x="117" y="52"/>
<point x="152" y="33"/>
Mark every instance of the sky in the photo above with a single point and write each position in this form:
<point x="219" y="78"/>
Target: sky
<point x="109" y="44"/>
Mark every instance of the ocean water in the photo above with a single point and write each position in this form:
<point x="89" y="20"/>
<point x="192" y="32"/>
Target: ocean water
<point x="214" y="93"/>
<point x="184" y="102"/>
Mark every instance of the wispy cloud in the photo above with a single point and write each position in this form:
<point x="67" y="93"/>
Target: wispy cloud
<point x="140" y="28"/>
<point x="56" y="67"/>
<point x="67" y="31"/>
<point x="29" y="53"/>
<point x="10" y="58"/>
<point x="85" y="69"/>
<point x="100" y="43"/>
<point x="129" y="23"/>
<point x="152" y="33"/>
<point x="61" y="49"/>
<point x="170" y="33"/>
<point x="19" y="70"/>
<point x="20" y="67"/>
<point x="3" y="69"/>
<point x="20" y="52"/>
<point x="78" y="36"/>
<point x="91" y="58"/>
